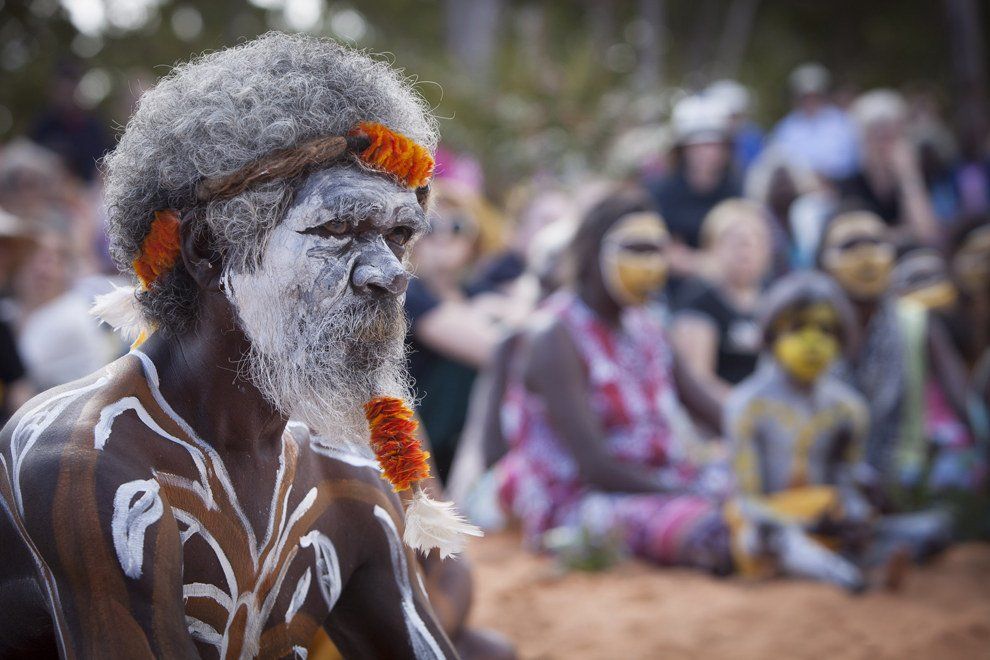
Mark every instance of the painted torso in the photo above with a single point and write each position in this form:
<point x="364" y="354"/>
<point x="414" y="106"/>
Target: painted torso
<point x="784" y="437"/>
<point x="129" y="524"/>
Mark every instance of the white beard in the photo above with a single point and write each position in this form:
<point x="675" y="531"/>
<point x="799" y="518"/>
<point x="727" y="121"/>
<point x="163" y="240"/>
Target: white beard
<point x="319" y="364"/>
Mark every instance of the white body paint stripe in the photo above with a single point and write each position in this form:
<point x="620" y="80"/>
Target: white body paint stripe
<point x="424" y="646"/>
<point x="33" y="424"/>
<point x="345" y="457"/>
<point x="211" y="591"/>
<point x="131" y="520"/>
<point x="327" y="566"/>
<point x="203" y="632"/>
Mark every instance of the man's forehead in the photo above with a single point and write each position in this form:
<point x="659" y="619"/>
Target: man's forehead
<point x="342" y="185"/>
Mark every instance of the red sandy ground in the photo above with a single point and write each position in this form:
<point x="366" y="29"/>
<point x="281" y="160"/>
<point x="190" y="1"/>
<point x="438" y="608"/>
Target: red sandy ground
<point x="638" y="611"/>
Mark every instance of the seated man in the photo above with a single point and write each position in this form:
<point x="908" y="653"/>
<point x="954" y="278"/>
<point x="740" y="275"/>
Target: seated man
<point x="796" y="431"/>
<point x="164" y="506"/>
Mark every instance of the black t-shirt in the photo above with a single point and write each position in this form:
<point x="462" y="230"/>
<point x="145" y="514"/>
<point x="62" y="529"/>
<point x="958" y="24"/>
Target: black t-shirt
<point x="443" y="386"/>
<point x="857" y="190"/>
<point x="684" y="209"/>
<point x="738" y="332"/>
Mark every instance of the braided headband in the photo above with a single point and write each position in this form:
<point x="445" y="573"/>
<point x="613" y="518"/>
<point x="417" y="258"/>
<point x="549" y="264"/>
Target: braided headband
<point x="376" y="145"/>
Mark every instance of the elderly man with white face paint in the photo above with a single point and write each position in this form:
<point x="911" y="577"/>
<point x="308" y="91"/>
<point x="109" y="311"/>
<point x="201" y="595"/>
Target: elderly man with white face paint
<point x="265" y="198"/>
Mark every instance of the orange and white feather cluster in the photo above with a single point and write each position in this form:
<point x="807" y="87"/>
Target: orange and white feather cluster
<point x="396" y="154"/>
<point x="159" y="252"/>
<point x="429" y="523"/>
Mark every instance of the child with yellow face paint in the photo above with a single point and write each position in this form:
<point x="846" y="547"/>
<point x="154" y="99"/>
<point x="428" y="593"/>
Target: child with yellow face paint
<point x="796" y="434"/>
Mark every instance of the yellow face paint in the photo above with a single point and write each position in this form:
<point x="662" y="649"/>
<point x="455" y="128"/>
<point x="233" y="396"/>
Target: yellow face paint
<point x="633" y="264"/>
<point x="858" y="255"/>
<point x="807" y="341"/>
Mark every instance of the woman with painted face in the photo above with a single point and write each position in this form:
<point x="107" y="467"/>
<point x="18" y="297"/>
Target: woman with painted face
<point x="598" y="438"/>
<point x="969" y="268"/>
<point x="905" y="366"/>
<point x="715" y="331"/>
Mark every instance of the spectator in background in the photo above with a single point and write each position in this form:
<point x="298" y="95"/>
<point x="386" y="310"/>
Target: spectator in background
<point x="747" y="137"/>
<point x="905" y="367"/>
<point x="591" y="414"/>
<point x="14" y="388"/>
<point x="529" y="210"/>
<point x="714" y="331"/>
<point x="58" y="339"/>
<point x="889" y="181"/>
<point x="776" y="183"/>
<point x="970" y="270"/>
<point x="816" y="134"/>
<point x="451" y="335"/>
<point x="702" y="177"/>
<point x="71" y="131"/>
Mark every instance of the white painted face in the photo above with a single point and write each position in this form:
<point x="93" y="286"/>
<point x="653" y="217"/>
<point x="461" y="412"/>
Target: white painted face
<point x="323" y="310"/>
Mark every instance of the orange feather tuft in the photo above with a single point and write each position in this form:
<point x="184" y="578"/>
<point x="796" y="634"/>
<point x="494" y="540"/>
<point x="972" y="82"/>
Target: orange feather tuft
<point x="396" y="154"/>
<point x="160" y="248"/>
<point x="394" y="442"/>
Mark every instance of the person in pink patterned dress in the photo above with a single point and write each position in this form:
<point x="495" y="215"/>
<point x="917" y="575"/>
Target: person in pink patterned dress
<point x="592" y="412"/>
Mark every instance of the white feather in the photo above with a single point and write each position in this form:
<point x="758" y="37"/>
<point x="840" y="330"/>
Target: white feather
<point x="121" y="311"/>
<point x="432" y="524"/>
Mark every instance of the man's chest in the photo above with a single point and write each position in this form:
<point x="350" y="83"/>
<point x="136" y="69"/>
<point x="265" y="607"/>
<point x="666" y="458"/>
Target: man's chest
<point x="260" y="570"/>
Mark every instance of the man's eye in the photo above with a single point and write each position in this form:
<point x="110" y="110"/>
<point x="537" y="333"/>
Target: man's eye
<point x="328" y="229"/>
<point x="399" y="235"/>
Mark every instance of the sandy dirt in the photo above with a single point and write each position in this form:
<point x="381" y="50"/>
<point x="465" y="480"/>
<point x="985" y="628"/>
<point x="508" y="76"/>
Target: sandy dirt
<point x="637" y="611"/>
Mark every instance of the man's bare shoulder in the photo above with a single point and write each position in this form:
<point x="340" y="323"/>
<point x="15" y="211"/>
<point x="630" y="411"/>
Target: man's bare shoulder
<point x="62" y="435"/>
<point x="336" y="462"/>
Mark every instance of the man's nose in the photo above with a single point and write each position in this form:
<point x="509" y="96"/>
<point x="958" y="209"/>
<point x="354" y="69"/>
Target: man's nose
<point x="380" y="277"/>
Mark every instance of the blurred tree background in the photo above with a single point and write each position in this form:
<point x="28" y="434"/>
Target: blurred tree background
<point x="522" y="84"/>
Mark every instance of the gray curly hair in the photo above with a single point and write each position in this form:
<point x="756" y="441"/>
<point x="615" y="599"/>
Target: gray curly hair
<point x="210" y="117"/>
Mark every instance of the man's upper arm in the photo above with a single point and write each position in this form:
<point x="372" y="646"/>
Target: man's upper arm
<point x="113" y="554"/>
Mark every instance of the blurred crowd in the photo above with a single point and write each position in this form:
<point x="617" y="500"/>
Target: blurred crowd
<point x="580" y="347"/>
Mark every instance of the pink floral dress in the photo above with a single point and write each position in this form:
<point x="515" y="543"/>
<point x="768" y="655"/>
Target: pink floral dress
<point x="631" y="392"/>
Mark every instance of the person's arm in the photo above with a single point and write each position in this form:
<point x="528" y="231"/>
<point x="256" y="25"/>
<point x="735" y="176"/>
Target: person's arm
<point x="114" y="560"/>
<point x="458" y="331"/>
<point x="695" y="340"/>
<point x="697" y="396"/>
<point x="916" y="206"/>
<point x="493" y="442"/>
<point x="554" y="371"/>
<point x="383" y="611"/>
<point x="950" y="370"/>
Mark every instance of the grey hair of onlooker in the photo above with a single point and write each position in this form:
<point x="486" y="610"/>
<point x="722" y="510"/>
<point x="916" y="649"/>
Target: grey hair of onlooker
<point x="214" y="115"/>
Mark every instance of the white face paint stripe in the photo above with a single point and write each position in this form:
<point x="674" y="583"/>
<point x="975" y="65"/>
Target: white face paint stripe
<point x="424" y="646"/>
<point x="34" y="423"/>
<point x="131" y="519"/>
<point x="327" y="566"/>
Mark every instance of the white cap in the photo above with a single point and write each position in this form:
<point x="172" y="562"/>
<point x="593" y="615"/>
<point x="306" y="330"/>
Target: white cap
<point x="732" y="94"/>
<point x="810" y="78"/>
<point x="699" y="120"/>
<point x="878" y="105"/>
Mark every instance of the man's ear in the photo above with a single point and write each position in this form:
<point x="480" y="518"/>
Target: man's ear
<point x="198" y="256"/>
